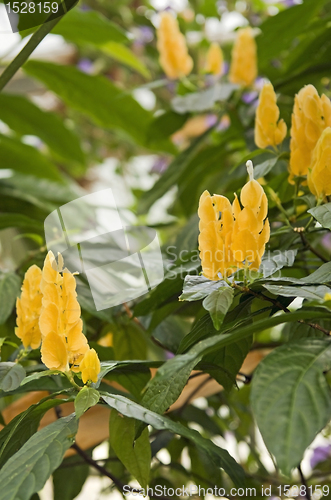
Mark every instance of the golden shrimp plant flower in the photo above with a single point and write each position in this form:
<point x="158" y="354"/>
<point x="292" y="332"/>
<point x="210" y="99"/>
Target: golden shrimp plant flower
<point x="171" y="44"/>
<point x="233" y="236"/>
<point x="311" y="115"/>
<point x="319" y="172"/>
<point x="269" y="130"/>
<point x="63" y="341"/>
<point x="90" y="366"/>
<point x="214" y="61"/>
<point x="243" y="69"/>
<point x="28" y="308"/>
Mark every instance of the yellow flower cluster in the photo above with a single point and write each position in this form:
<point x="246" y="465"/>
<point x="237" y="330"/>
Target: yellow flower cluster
<point x="171" y="44"/>
<point x="311" y="115"/>
<point x="319" y="173"/>
<point x="232" y="237"/>
<point x="64" y="346"/>
<point x="243" y="69"/>
<point x="214" y="60"/>
<point x="28" y="309"/>
<point x="268" y="130"/>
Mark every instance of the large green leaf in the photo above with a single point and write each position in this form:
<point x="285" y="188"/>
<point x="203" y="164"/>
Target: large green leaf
<point x="26" y="118"/>
<point x="124" y="55"/>
<point x="291" y="399"/>
<point x="23" y="426"/>
<point x="27" y="471"/>
<point x="306" y="292"/>
<point x="89" y="27"/>
<point x="10" y="285"/>
<point x="25" y="159"/>
<point x="22" y="222"/>
<point x="69" y="478"/>
<point x="135" y="455"/>
<point x="219" y="456"/>
<point x="218" y="303"/>
<point x="172" y="174"/>
<point x="11" y="375"/>
<point x="94" y="96"/>
<point x="322" y="214"/>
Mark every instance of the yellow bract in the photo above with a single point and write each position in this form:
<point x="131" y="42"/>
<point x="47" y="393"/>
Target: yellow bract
<point x="268" y="130"/>
<point x="311" y="115"/>
<point x="61" y="328"/>
<point x="171" y="44"/>
<point x="28" y="309"/>
<point x="243" y="69"/>
<point x="214" y="62"/>
<point x="90" y="366"/>
<point x="319" y="173"/>
<point x="233" y="237"/>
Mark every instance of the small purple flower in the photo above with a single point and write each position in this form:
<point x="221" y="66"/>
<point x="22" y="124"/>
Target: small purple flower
<point x="211" y="120"/>
<point x="160" y="165"/>
<point x="85" y="65"/>
<point x="169" y="354"/>
<point x="143" y="35"/>
<point x="326" y="242"/>
<point x="249" y="97"/>
<point x="320" y="454"/>
<point x="290" y="3"/>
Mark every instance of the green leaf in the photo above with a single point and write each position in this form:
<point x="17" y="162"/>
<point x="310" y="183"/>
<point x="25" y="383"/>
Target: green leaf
<point x="23" y="158"/>
<point x="322" y="214"/>
<point x="10" y="285"/>
<point x="164" y="125"/>
<point x="94" y="96"/>
<point x="135" y="455"/>
<point x="199" y="287"/>
<point x="23" y="426"/>
<point x="291" y="399"/>
<point x="86" y="398"/>
<point x="264" y="168"/>
<point x="124" y="55"/>
<point x="22" y="222"/>
<point x="26" y="118"/>
<point x="306" y="292"/>
<point x="218" y="303"/>
<point x="11" y="375"/>
<point x="129" y="342"/>
<point x="227" y="362"/>
<point x="219" y="456"/>
<point x="69" y="479"/>
<point x="203" y="100"/>
<point x="274" y="261"/>
<point x="27" y="471"/>
<point x="167" y="384"/>
<point x="89" y="27"/>
<point x="171" y="175"/>
<point x="38" y="375"/>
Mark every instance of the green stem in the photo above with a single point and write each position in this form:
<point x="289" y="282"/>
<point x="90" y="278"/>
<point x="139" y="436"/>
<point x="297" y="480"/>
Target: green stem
<point x="27" y="50"/>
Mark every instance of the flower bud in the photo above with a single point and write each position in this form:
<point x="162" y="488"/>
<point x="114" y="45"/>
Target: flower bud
<point x="28" y="308"/>
<point x="214" y="62"/>
<point x="268" y="130"/>
<point x="243" y="69"/>
<point x="319" y="173"/>
<point x="171" y="44"/>
<point x="90" y="366"/>
<point x="311" y="115"/>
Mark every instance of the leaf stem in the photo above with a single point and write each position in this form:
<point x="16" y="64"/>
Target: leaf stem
<point x="27" y="50"/>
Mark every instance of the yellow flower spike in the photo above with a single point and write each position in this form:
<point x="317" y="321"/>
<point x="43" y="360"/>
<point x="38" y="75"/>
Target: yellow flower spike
<point x="54" y="352"/>
<point x="90" y="366"/>
<point x="311" y="115"/>
<point x="28" y="308"/>
<point x="243" y="69"/>
<point x="268" y="130"/>
<point x="327" y="297"/>
<point x="214" y="62"/>
<point x="171" y="44"/>
<point x="319" y="173"/>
